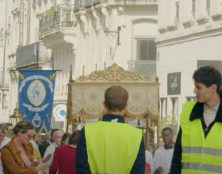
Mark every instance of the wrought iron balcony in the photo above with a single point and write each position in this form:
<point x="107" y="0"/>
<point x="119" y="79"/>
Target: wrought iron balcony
<point x="82" y="4"/>
<point x="144" y="67"/>
<point x="136" y="2"/>
<point x="55" y="18"/>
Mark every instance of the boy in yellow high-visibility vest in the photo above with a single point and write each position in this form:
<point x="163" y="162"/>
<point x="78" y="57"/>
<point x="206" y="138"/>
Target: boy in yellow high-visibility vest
<point x="111" y="146"/>
<point x="198" y="148"/>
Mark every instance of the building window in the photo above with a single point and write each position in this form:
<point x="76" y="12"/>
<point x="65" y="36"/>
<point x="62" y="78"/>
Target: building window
<point x="208" y="6"/>
<point x="174" y="83"/>
<point x="146" y="49"/>
<point x="194" y="8"/>
<point x="177" y="11"/>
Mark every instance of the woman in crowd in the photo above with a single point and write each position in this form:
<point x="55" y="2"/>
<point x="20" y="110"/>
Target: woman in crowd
<point x="18" y="155"/>
<point x="64" y="159"/>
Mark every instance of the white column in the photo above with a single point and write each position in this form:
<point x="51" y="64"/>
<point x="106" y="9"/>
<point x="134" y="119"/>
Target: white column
<point x="201" y="9"/>
<point x="186" y="6"/>
<point x="162" y="13"/>
<point x="171" y="12"/>
<point x="216" y="8"/>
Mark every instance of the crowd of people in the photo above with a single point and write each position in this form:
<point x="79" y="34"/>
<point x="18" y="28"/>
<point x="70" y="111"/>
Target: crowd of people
<point x="112" y="147"/>
<point x="24" y="152"/>
<point x="29" y="153"/>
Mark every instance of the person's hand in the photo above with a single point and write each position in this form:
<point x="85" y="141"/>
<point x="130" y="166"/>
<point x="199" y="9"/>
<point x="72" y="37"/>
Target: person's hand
<point x="36" y="162"/>
<point x="41" y="166"/>
<point x="46" y="158"/>
<point x="159" y="170"/>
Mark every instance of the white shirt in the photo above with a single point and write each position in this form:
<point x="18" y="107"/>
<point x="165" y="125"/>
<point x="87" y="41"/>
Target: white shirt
<point x="163" y="158"/>
<point x="149" y="158"/>
<point x="49" y="151"/>
<point x="210" y="114"/>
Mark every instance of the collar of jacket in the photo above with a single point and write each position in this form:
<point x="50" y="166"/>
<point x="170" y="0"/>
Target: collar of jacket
<point x="110" y="117"/>
<point x="198" y="109"/>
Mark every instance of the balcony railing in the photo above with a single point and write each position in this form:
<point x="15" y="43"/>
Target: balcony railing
<point x="144" y="67"/>
<point x="82" y="4"/>
<point x="136" y="2"/>
<point x="55" y="18"/>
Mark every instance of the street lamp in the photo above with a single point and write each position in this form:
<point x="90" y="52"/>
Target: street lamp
<point x="16" y="116"/>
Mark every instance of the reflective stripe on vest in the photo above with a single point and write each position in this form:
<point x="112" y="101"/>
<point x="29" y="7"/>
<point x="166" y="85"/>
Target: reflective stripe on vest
<point x="200" y="154"/>
<point x="112" y="147"/>
<point x="205" y="150"/>
<point x="206" y="167"/>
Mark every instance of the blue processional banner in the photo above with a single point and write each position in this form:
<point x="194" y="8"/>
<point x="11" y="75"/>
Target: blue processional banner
<point x="36" y="92"/>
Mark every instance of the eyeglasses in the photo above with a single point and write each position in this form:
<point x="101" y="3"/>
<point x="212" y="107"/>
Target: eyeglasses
<point x="30" y="136"/>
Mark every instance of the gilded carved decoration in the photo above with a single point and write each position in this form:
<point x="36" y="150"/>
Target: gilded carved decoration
<point x="88" y="94"/>
<point x="114" y="73"/>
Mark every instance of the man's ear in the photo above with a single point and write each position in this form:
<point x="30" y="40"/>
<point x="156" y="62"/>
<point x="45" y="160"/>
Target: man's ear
<point x="214" y="87"/>
<point x="104" y="104"/>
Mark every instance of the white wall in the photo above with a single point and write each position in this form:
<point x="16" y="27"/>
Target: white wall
<point x="97" y="47"/>
<point x="182" y="57"/>
<point x="63" y="59"/>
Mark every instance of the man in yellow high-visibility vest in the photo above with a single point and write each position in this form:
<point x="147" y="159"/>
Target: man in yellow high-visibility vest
<point x="110" y="146"/>
<point x="198" y="148"/>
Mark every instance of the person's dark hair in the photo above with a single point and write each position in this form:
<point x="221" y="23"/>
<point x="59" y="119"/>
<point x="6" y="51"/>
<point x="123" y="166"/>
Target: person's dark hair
<point x="208" y="76"/>
<point x="73" y="139"/>
<point x="22" y="126"/>
<point x="167" y="128"/>
<point x="116" y="98"/>
<point x="52" y="131"/>
<point x="65" y="137"/>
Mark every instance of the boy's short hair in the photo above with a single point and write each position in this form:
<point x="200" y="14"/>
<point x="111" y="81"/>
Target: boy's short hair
<point x="116" y="98"/>
<point x="208" y="76"/>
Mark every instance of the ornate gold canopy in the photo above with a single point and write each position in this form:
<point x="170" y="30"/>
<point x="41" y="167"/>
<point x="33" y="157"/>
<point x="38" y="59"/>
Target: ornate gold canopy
<point x="88" y="93"/>
<point x="113" y="73"/>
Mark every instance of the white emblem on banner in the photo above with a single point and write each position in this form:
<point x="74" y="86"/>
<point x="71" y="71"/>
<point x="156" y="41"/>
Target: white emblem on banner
<point x="59" y="112"/>
<point x="36" y="121"/>
<point x="36" y="93"/>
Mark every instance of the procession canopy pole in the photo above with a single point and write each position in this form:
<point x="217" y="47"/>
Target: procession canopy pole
<point x="158" y="119"/>
<point x="147" y="132"/>
<point x="69" y="101"/>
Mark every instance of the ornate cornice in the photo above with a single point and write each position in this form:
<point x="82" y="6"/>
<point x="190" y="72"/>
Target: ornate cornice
<point x="112" y="74"/>
<point x="182" y="37"/>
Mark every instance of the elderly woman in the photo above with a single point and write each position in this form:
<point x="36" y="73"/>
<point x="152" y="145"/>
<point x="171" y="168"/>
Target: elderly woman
<point x="18" y="154"/>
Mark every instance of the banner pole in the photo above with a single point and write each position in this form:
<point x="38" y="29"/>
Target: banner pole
<point x="69" y="101"/>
